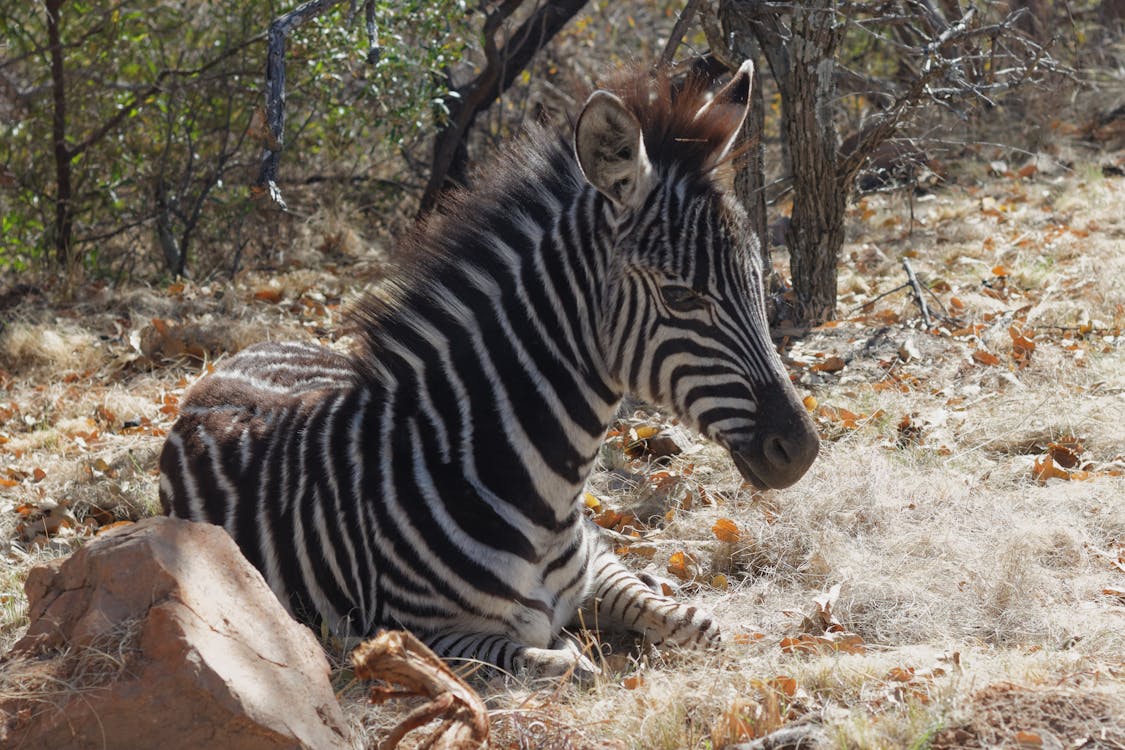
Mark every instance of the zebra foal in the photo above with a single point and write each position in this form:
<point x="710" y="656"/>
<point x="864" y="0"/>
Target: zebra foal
<point x="431" y="480"/>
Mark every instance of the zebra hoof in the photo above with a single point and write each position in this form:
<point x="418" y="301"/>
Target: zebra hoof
<point x="701" y="633"/>
<point x="557" y="662"/>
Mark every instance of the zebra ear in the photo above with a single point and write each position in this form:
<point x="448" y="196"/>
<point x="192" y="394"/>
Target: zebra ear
<point x="611" y="150"/>
<point x="735" y="94"/>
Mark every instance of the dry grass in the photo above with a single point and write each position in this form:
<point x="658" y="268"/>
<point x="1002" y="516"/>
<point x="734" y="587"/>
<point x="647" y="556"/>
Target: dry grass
<point x="985" y="599"/>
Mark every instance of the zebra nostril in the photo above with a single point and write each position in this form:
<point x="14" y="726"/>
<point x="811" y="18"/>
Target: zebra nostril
<point x="778" y="451"/>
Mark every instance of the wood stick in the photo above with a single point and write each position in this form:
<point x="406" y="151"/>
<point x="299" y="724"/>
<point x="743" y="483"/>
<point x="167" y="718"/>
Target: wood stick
<point x="678" y="32"/>
<point x="397" y="657"/>
<point x="919" y="296"/>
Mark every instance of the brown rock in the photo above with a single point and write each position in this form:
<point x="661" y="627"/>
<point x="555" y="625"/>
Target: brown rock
<point x="164" y="637"/>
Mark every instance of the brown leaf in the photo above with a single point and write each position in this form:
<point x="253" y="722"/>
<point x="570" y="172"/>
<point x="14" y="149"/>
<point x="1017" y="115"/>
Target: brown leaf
<point x="682" y="565"/>
<point x="829" y="364"/>
<point x="985" y="358"/>
<point x="1044" y="468"/>
<point x="900" y="674"/>
<point x="1115" y="593"/>
<point x="1065" y="453"/>
<point x="726" y="530"/>
<point x="1022" y="343"/>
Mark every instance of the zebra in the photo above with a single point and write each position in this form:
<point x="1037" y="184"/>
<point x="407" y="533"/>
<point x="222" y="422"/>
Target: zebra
<point x="432" y="478"/>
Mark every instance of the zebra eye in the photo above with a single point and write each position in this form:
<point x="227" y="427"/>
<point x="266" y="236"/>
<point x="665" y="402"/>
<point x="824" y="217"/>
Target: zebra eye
<point x="682" y="298"/>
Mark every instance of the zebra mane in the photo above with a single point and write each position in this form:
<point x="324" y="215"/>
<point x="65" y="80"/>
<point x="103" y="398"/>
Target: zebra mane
<point x="677" y="135"/>
<point x="678" y="138"/>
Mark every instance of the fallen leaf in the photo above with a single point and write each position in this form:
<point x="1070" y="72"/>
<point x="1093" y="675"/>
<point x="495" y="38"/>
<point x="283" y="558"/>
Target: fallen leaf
<point x="745" y="638"/>
<point x="985" y="358"/>
<point x="1115" y="593"/>
<point x="1022" y="343"/>
<point x="1044" y="468"/>
<point x="900" y="674"/>
<point x="1065" y="453"/>
<point x="809" y="402"/>
<point x="632" y="682"/>
<point x="682" y="565"/>
<point x="726" y="530"/>
<point x="830" y="364"/>
<point x="783" y="684"/>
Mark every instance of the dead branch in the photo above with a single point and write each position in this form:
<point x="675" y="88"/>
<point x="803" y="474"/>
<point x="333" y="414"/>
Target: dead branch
<point x="275" y="90"/>
<point x="398" y="658"/>
<point x="503" y="64"/>
<point x="678" y="31"/>
<point x="919" y="297"/>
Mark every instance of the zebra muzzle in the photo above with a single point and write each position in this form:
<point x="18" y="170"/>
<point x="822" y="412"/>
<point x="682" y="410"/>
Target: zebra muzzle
<point x="783" y="448"/>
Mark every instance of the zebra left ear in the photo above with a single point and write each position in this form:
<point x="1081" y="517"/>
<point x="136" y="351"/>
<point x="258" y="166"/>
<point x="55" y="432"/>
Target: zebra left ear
<point x="611" y="150"/>
<point x="735" y="94"/>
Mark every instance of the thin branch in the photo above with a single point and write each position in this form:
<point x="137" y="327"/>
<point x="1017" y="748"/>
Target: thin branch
<point x="919" y="297"/>
<point x="873" y="300"/>
<point x="275" y="89"/>
<point x="677" y="35"/>
<point x="138" y="100"/>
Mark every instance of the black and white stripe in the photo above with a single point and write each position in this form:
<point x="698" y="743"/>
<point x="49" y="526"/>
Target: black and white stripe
<point x="431" y="479"/>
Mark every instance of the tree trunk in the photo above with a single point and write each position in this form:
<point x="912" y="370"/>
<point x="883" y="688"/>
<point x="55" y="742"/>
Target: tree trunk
<point x="816" y="229"/>
<point x="64" y="218"/>
<point x="750" y="171"/>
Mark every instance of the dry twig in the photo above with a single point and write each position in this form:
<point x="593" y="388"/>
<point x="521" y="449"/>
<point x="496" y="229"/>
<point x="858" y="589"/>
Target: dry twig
<point x="919" y="297"/>
<point x="397" y="657"/>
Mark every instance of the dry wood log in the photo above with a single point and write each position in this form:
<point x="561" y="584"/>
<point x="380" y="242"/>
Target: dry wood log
<point x="398" y="658"/>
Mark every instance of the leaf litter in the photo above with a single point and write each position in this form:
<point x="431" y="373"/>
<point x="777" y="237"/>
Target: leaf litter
<point x="960" y="542"/>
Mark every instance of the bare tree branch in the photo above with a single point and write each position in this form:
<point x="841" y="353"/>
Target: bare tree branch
<point x="275" y="89"/>
<point x="503" y="63"/>
<point x="677" y="35"/>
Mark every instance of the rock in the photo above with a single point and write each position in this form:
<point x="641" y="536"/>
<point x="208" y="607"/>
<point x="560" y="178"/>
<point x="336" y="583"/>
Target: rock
<point x="161" y="634"/>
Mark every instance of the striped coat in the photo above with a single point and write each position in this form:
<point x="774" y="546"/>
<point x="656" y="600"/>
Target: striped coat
<point x="431" y="479"/>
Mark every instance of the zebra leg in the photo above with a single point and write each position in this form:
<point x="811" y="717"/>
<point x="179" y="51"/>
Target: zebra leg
<point x="624" y="600"/>
<point x="500" y="651"/>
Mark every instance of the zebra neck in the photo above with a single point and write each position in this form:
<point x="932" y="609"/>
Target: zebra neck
<point x="494" y="355"/>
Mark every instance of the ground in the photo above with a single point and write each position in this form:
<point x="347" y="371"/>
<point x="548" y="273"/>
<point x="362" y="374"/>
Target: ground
<point x="950" y="573"/>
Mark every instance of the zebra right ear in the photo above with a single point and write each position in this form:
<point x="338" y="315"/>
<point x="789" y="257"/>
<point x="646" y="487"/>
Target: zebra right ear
<point x="611" y="150"/>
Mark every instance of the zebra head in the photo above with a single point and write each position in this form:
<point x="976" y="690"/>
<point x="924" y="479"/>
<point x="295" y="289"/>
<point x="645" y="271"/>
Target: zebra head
<point x="685" y="323"/>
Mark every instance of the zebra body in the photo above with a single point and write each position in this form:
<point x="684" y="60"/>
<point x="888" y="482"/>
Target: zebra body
<point x="432" y="479"/>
